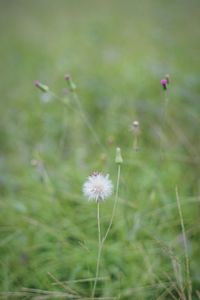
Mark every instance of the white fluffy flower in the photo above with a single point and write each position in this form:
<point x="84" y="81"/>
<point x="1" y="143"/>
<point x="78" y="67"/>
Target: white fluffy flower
<point x="98" y="187"/>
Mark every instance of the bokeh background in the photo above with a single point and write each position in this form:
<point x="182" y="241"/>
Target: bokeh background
<point x="116" y="52"/>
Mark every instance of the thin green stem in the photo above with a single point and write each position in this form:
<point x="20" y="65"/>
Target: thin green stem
<point x="164" y="121"/>
<point x="166" y="102"/>
<point x="135" y="143"/>
<point x="99" y="249"/>
<point x="115" y="204"/>
<point x="187" y="264"/>
<point x="101" y="241"/>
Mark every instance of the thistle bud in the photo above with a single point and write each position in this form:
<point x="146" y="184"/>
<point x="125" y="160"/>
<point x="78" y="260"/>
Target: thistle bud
<point x="41" y="86"/>
<point x="70" y="83"/>
<point x="164" y="83"/>
<point x="118" y="157"/>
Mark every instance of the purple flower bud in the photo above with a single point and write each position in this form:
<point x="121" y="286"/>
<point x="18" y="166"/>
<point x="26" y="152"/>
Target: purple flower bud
<point x="164" y="83"/>
<point x="37" y="83"/>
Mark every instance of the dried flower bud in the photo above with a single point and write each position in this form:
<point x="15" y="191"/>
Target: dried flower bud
<point x="67" y="77"/>
<point x="136" y="128"/>
<point x="118" y="157"/>
<point x="70" y="83"/>
<point x="167" y="77"/>
<point x="136" y="132"/>
<point x="41" y="86"/>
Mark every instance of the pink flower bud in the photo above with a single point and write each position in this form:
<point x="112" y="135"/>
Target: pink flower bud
<point x="164" y="83"/>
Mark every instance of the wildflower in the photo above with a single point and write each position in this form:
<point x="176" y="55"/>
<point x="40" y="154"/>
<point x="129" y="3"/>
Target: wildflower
<point x="164" y="83"/>
<point x="98" y="187"/>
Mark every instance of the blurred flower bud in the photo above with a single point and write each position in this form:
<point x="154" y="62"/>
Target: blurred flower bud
<point x="164" y="83"/>
<point x="136" y="133"/>
<point x="70" y="83"/>
<point x="167" y="77"/>
<point x="118" y="157"/>
<point x="136" y="128"/>
<point x="41" y="86"/>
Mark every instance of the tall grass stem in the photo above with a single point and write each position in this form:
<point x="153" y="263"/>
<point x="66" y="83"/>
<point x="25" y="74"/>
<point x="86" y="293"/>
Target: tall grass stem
<point x="187" y="264"/>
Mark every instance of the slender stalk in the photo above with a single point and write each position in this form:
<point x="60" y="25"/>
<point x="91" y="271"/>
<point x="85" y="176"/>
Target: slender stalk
<point x="115" y="204"/>
<point x="187" y="264"/>
<point x="164" y="121"/>
<point x="135" y="143"/>
<point x="99" y="249"/>
<point x="101" y="241"/>
<point x="166" y="102"/>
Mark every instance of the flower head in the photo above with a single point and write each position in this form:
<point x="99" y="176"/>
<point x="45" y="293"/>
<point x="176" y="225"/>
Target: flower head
<point x="98" y="187"/>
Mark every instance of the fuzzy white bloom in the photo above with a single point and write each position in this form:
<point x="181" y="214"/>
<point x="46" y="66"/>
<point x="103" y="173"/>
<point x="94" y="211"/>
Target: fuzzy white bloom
<point x="98" y="187"/>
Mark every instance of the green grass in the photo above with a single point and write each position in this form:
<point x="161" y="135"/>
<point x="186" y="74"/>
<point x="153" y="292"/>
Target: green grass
<point x="116" y="52"/>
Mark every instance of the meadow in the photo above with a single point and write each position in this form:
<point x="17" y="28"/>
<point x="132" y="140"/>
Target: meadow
<point x="116" y="52"/>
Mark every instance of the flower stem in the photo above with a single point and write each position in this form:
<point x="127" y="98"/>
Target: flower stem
<point x="99" y="249"/>
<point x="101" y="241"/>
<point x="135" y="143"/>
<point x="115" y="204"/>
<point x="165" y="109"/>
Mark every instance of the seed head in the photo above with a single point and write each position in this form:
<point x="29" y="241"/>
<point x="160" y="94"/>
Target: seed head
<point x="97" y="187"/>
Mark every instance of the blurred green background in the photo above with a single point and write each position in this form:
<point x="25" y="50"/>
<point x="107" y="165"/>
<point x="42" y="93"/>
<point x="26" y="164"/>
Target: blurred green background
<point x="116" y="52"/>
